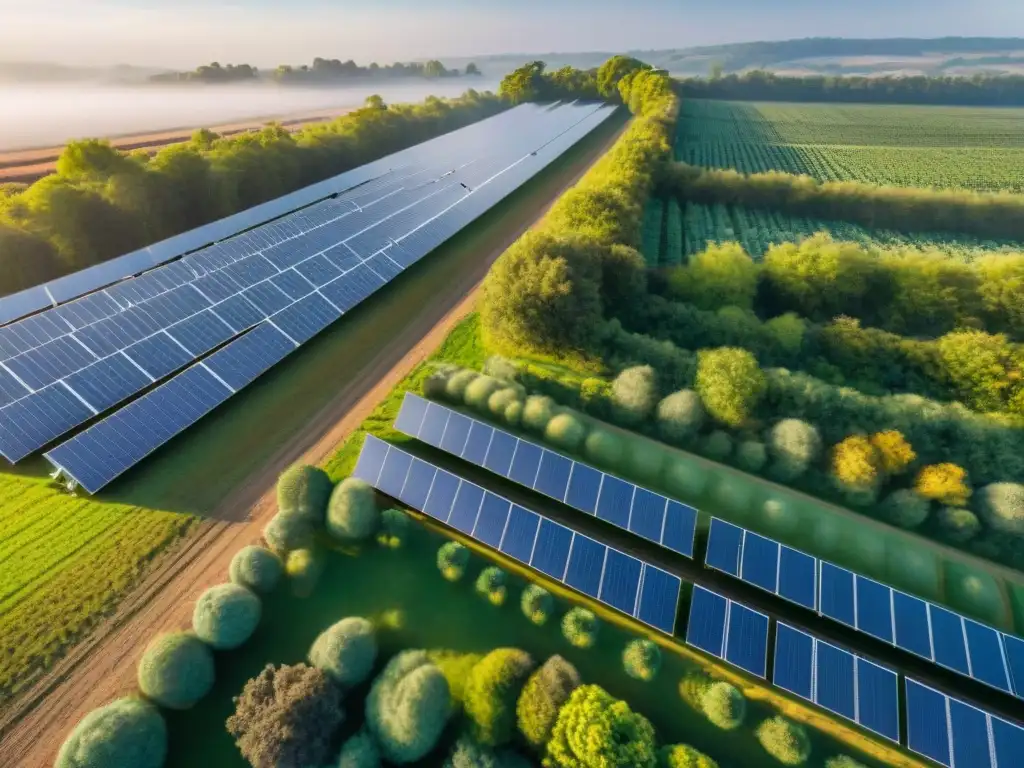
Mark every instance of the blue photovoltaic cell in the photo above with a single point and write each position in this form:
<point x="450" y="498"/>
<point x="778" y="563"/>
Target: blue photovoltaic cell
<point x="394" y="472"/>
<point x="1014" y="648"/>
<point x="525" y="464"/>
<point x="159" y="355"/>
<point x="927" y="725"/>
<point x="37" y="419"/>
<point x="986" y="655"/>
<point x="910" y="615"/>
<point x="477" y="444"/>
<point x="747" y="643"/>
<point x="583" y="488"/>
<point x="410" y="417"/>
<point x="706" y="627"/>
<point x="371" y="461"/>
<point x="520" y="534"/>
<point x="417" y="484"/>
<point x="239" y="313"/>
<point x="200" y="333"/>
<point x="10" y="389"/>
<point x="724" y="541"/>
<point x="794" y="661"/>
<point x="108" y="382"/>
<point x="874" y="609"/>
<point x="245" y="358"/>
<point x="834" y="680"/>
<point x="551" y="551"/>
<point x="553" y="475"/>
<point x="948" y="638"/>
<point x="648" y="518"/>
<point x="490" y="525"/>
<point x="442" y="493"/>
<point x="586" y="562"/>
<point x="760" y="561"/>
<point x="659" y="598"/>
<point x="970" y="734"/>
<point x="836" y="593"/>
<point x="615" y="501"/>
<point x="680" y="525"/>
<point x="434" y="423"/>
<point x="878" y="707"/>
<point x="456" y="433"/>
<point x="798" y="577"/>
<point x="466" y="507"/>
<point x="1008" y="740"/>
<point x="500" y="453"/>
<point x="620" y="581"/>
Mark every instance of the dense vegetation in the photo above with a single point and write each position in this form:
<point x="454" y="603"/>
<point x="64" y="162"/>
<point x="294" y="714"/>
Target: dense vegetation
<point x="320" y="71"/>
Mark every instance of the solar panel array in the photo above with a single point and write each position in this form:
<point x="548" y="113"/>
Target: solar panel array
<point x="603" y="573"/>
<point x="927" y="630"/>
<point x="728" y="631"/>
<point x="309" y="286"/>
<point x="957" y="735"/>
<point x="625" y="505"/>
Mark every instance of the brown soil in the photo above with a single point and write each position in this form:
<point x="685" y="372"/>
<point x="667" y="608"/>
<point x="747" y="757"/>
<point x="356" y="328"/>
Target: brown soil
<point x="26" y="165"/>
<point x="103" y="666"/>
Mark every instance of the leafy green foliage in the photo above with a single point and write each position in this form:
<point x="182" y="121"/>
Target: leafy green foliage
<point x="226" y="615"/>
<point x="469" y="753"/>
<point x="452" y="559"/>
<point x="548" y="688"/>
<point x="683" y="756"/>
<point x="287" y="531"/>
<point x="457" y="384"/>
<point x="906" y="508"/>
<point x="580" y="627"/>
<point x="730" y="384"/>
<point x="394" y="528"/>
<point x="479" y="390"/>
<point x="491" y="584"/>
<point x="1001" y="505"/>
<point x="641" y="659"/>
<point x="784" y="740"/>
<point x="537" y="604"/>
<point x="604" y="448"/>
<point x="794" y="445"/>
<point x="634" y="395"/>
<point x="680" y="417"/>
<point x="346" y="651"/>
<point x="724" y="705"/>
<point x="957" y="524"/>
<point x="126" y="732"/>
<point x="352" y="514"/>
<point x="537" y="412"/>
<point x="566" y="431"/>
<point x="491" y="693"/>
<point x="360" y="751"/>
<point x="256" y="568"/>
<point x="594" y="729"/>
<point x="721" y="276"/>
<point x="751" y="456"/>
<point x="843" y="761"/>
<point x="305" y="490"/>
<point x="717" y="445"/>
<point x="176" y="670"/>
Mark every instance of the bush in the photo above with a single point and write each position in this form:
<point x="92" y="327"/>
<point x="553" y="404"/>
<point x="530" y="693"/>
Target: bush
<point x="499" y="402"/>
<point x="543" y="695"/>
<point x="306" y="490"/>
<point x="604" y="449"/>
<point x="457" y="383"/>
<point x="957" y="524"/>
<point x="944" y="483"/>
<point x="680" y="417"/>
<point x="537" y="412"/>
<point x="685" y="478"/>
<point x="537" y="604"/>
<point x="641" y="659"/>
<point x="360" y="751"/>
<point x="855" y="465"/>
<point x="795" y="445"/>
<point x="452" y="559"/>
<point x="256" y="568"/>
<point x="352" y="514"/>
<point x="479" y="390"/>
<point x="176" y="670"/>
<point x="724" y="705"/>
<point x="684" y="756"/>
<point x="894" y="452"/>
<point x="127" y="732"/>
<point x="226" y="615"/>
<point x="594" y="729"/>
<point x="514" y="414"/>
<point x="1001" y="505"/>
<point x="843" y="761"/>
<point x="501" y="368"/>
<point x="906" y="508"/>
<point x="286" y="717"/>
<point x="467" y="753"/>
<point x="721" y="275"/>
<point x="346" y="651"/>
<point x="580" y="627"/>
<point x="287" y="531"/>
<point x="407" y="707"/>
<point x="634" y="395"/>
<point x="717" y="445"/>
<point x="491" y="692"/>
<point x="786" y="741"/>
<point x="730" y="383"/>
<point x="751" y="456"/>
<point x="565" y="431"/>
<point x="435" y="386"/>
<point x="394" y="527"/>
<point x="304" y="568"/>
<point x="491" y="584"/>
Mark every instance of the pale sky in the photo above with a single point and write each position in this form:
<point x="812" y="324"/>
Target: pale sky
<point x="184" y="33"/>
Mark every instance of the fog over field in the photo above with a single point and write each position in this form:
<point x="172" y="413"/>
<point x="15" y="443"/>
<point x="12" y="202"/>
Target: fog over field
<point x="46" y="115"/>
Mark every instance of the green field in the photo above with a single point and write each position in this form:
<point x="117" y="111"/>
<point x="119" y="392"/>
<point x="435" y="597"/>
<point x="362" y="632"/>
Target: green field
<point x="952" y="147"/>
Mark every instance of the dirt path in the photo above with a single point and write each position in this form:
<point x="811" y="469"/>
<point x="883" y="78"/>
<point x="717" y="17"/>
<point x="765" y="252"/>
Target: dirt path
<point x="103" y="666"/>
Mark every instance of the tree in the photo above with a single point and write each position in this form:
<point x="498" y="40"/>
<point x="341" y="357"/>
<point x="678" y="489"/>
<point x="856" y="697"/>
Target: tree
<point x="256" y="568"/>
<point x="473" y="69"/>
<point x="784" y="740"/>
<point x="684" y="756"/>
<point x="287" y="531"/>
<point x="894" y="453"/>
<point x="452" y="559"/>
<point x="945" y="483"/>
<point x="352" y="513"/>
<point x="94" y="159"/>
<point x="176" y="670"/>
<point x="566" y="431"/>
<point x="594" y="729"/>
<point x="492" y="690"/>
<point x="376" y="101"/>
<point x="634" y="395"/>
<point x="794" y="445"/>
<point x="226" y="615"/>
<point x="580" y="627"/>
<point x="542" y="697"/>
<point x="126" y="732"/>
<point x="906" y="508"/>
<point x="722" y="275"/>
<point x="680" y="416"/>
<point x="523" y="84"/>
<point x="286" y="717"/>
<point x="730" y="384"/>
<point x="491" y="584"/>
<point x="641" y="659"/>
<point x="360" y="751"/>
<point x="306" y="490"/>
<point x="537" y="604"/>
<point x="613" y="70"/>
<point x="724" y="705"/>
<point x="346" y="651"/>
<point x="855" y="464"/>
<point x="1001" y="505"/>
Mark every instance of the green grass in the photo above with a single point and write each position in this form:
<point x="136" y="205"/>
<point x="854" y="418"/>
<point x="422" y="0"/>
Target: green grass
<point x="67" y="562"/>
<point x="950" y="147"/>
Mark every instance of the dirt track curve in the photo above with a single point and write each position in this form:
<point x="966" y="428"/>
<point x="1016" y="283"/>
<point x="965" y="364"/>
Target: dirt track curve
<point x="102" y="667"/>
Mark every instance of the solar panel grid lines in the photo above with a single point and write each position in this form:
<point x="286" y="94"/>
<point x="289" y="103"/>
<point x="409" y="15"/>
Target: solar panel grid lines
<point x="620" y="581"/>
<point x="652" y="516"/>
<point x="729" y="631"/>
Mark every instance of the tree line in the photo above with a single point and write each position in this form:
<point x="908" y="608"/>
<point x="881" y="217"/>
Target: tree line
<point x="320" y="71"/>
<point x="758" y="85"/>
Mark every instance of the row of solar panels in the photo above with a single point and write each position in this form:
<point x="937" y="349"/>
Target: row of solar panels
<point x="620" y="581"/>
<point x="927" y="630"/>
<point x="939" y="727"/>
<point x="88" y="280"/>
<point x="101" y="453"/>
<point x="140" y="343"/>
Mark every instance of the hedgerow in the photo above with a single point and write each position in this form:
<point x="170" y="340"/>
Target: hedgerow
<point x="491" y="693"/>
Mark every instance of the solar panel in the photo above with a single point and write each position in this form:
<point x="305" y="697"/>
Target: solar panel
<point x="614" y="578"/>
<point x="728" y="630"/>
<point x="647" y="514"/>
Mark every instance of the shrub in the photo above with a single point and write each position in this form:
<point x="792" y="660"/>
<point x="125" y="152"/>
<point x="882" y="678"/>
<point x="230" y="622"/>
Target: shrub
<point x="855" y="464"/>
<point x="287" y="531"/>
<point x="537" y="412"/>
<point x="479" y="390"/>
<point x="543" y="695"/>
<point x="452" y="559"/>
<point x="346" y="651"/>
<point x="394" y="527"/>
<point x="499" y="402"/>
<point x="352" y="514"/>
<point x="683" y="756"/>
<point x="565" y="431"/>
<point x="501" y="368"/>
<point x="537" y="604"/>
<point x="784" y="740"/>
<point x="580" y="627"/>
<point x="514" y="413"/>
<point x="1001" y="505"/>
<point x="407" y="707"/>
<point x="721" y="275"/>
<point x="304" y="568"/>
<point x="176" y="670"/>
<point x="944" y="483"/>
<point x="906" y="508"/>
<point x="603" y="448"/>
<point x="634" y="395"/>
<point x="724" y="705"/>
<point x="360" y="751"/>
<point x="491" y="584"/>
<point x="468" y="753"/>
<point x="895" y="454"/>
<point x="795" y="445"/>
<point x="435" y="386"/>
<point x="226" y="615"/>
<point x="492" y="689"/>
<point x="717" y="445"/>
<point x="751" y="456"/>
<point x="126" y="732"/>
<point x="730" y="384"/>
<point x="257" y="568"/>
<point x="680" y="416"/>
<point x="843" y="761"/>
<point x="788" y="330"/>
<point x="306" y="490"/>
<point x="456" y="385"/>
<point x="286" y="717"/>
<point x="594" y="729"/>
<point x="641" y="659"/>
<point x="455" y="667"/>
<point x="957" y="524"/>
<point x="685" y="478"/>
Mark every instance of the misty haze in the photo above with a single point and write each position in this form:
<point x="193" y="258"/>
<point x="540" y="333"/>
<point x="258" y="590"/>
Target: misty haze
<point x="47" y="115"/>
